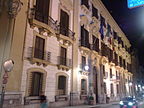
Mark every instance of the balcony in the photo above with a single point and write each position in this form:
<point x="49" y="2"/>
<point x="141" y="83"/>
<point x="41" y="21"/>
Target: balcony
<point x="65" y="34"/>
<point x="84" y="47"/>
<point x="64" y="63"/>
<point x="42" y="22"/>
<point x="96" y="48"/>
<point x="38" y="56"/>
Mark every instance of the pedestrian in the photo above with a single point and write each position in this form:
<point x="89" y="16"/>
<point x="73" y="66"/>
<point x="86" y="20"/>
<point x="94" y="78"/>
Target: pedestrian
<point x="43" y="101"/>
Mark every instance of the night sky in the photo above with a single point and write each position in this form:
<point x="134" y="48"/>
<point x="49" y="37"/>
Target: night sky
<point x="131" y="21"/>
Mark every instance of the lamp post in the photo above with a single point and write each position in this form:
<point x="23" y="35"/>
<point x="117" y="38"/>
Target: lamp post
<point x="8" y="66"/>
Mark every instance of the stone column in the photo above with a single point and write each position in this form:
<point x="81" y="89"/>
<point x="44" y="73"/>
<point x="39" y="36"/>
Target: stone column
<point x="74" y="95"/>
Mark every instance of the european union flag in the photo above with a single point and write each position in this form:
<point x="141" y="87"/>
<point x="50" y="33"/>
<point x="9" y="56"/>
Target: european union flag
<point x="101" y="31"/>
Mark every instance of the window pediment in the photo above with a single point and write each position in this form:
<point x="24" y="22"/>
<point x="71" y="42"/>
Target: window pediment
<point x="67" y="4"/>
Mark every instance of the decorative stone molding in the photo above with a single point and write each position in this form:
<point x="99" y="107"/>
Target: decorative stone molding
<point x="84" y="50"/>
<point x="104" y="60"/>
<point x="14" y="7"/>
<point x="118" y="67"/>
<point x="66" y="41"/>
<point x="67" y="4"/>
<point x="111" y="64"/>
<point x="50" y="28"/>
<point x="84" y="73"/>
<point x="84" y="20"/>
<point x="64" y="68"/>
<point x="85" y="9"/>
<point x="29" y="79"/>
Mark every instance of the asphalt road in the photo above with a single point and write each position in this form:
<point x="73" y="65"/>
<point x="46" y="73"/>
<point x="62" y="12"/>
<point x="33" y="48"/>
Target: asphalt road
<point x="141" y="105"/>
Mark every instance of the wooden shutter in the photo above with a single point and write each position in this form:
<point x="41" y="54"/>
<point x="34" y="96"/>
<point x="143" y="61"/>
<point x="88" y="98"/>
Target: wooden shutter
<point x="64" y="23"/>
<point x="63" y="55"/>
<point x="103" y="67"/>
<point x="39" y="10"/>
<point x="117" y="89"/>
<point x="36" y="83"/>
<point x="62" y="83"/>
<point x="83" y="62"/>
<point x="39" y="48"/>
<point x="42" y="10"/>
<point x="111" y="75"/>
<point x="112" y="89"/>
<point x="105" y="89"/>
<point x="82" y="36"/>
<point x="46" y="4"/>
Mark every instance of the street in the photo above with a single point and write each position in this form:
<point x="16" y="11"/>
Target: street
<point x="111" y="105"/>
<point x="141" y="105"/>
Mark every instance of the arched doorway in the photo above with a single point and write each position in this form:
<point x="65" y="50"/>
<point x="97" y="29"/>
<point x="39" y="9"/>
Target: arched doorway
<point x="61" y="85"/>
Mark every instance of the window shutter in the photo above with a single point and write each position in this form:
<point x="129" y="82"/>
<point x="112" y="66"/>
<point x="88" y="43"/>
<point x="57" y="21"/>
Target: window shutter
<point x="36" y="84"/>
<point x="42" y="10"/>
<point x="39" y="47"/>
<point x="83" y="62"/>
<point x="64" y="23"/>
<point x="46" y="4"/>
<point x="62" y="82"/>
<point x="39" y="10"/>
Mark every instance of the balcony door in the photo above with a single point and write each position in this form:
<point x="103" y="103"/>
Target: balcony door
<point x="42" y="10"/>
<point x="64" y="23"/>
<point x="83" y="87"/>
<point x="36" y="85"/>
<point x="84" y="37"/>
<point x="61" y="85"/>
<point x="63" y="56"/>
<point x="39" y="48"/>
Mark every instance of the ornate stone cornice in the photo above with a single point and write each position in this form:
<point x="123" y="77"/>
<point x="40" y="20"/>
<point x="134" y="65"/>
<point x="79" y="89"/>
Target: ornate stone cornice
<point x="14" y="6"/>
<point x="67" y="4"/>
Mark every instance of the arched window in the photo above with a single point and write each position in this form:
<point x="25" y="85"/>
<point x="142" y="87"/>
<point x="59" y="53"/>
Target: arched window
<point x="83" y="87"/>
<point x="61" y="85"/>
<point x="36" y="83"/>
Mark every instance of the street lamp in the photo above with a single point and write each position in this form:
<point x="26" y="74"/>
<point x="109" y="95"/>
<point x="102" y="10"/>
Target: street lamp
<point x="86" y="68"/>
<point x="8" y="66"/>
<point x="139" y="85"/>
<point x="130" y="84"/>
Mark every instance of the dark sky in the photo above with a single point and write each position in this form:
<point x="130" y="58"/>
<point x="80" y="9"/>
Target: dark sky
<point x="131" y="21"/>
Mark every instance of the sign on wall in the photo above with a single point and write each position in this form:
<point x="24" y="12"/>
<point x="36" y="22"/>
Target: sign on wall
<point x="135" y="3"/>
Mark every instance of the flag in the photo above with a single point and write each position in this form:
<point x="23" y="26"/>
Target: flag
<point x="110" y="40"/>
<point x="108" y="31"/>
<point x="101" y="31"/>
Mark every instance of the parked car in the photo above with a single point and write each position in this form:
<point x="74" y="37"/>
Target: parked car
<point x="128" y="102"/>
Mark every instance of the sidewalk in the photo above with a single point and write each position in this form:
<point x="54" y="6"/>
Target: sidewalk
<point x="92" y="106"/>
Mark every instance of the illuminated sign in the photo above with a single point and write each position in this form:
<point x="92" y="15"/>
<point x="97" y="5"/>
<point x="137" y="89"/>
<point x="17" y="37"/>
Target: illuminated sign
<point x="135" y="3"/>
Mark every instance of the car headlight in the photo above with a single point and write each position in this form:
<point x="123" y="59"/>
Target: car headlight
<point x="121" y="103"/>
<point x="130" y="104"/>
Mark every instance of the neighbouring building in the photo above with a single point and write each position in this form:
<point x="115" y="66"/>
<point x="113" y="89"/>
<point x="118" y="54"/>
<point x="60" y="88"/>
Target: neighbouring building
<point x="70" y="49"/>
<point x="13" y="18"/>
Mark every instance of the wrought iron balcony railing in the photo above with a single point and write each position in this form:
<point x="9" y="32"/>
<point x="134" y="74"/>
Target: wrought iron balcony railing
<point x="39" y="54"/>
<point x="95" y="48"/>
<point x="64" y="61"/>
<point x="35" y="14"/>
<point x="46" y="19"/>
<point x="84" y="44"/>
<point x="65" y="32"/>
